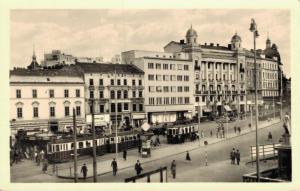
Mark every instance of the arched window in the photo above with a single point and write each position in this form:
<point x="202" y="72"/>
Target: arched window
<point x="125" y="93"/>
<point x="119" y="94"/>
<point x="112" y="94"/>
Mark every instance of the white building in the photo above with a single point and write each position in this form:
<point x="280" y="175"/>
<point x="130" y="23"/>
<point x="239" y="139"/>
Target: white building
<point x="168" y="84"/>
<point x="44" y="99"/>
<point x="56" y="57"/>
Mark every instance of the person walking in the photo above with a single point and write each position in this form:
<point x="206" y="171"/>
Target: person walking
<point x="239" y="130"/>
<point x="223" y="132"/>
<point x="138" y="167"/>
<point x="238" y="157"/>
<point x="234" y="129"/>
<point x="270" y="137"/>
<point x="125" y="154"/>
<point x="114" y="166"/>
<point x="45" y="166"/>
<point x="232" y="156"/>
<point x="84" y="171"/>
<point x="211" y="133"/>
<point x="173" y="169"/>
<point x="139" y="147"/>
<point x="249" y="125"/>
<point x="187" y="157"/>
<point x="38" y="159"/>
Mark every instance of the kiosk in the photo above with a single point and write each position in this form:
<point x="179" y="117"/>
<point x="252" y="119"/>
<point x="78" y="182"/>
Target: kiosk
<point x="146" y="140"/>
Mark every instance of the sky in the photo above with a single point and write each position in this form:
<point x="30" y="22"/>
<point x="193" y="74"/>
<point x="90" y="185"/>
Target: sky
<point x="107" y="32"/>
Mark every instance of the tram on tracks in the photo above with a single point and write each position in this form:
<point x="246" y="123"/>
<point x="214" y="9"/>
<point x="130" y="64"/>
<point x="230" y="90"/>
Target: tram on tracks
<point x="62" y="150"/>
<point x="180" y="133"/>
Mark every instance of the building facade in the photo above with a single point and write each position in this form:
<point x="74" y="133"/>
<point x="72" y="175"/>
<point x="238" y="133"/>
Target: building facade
<point x="42" y="100"/>
<point x="115" y="93"/>
<point x="168" y="84"/>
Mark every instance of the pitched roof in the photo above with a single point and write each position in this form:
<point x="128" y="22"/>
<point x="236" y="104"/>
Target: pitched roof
<point x="109" y="68"/>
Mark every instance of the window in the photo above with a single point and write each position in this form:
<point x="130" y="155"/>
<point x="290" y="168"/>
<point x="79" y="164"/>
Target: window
<point x="119" y="107"/>
<point x="118" y="82"/>
<point x="151" y="100"/>
<point x="52" y="111"/>
<point x="140" y="93"/>
<point x="35" y="112"/>
<point x="112" y="82"/>
<point x="119" y="94"/>
<point x="140" y="83"/>
<point x="77" y="92"/>
<point x="186" y="88"/>
<point x="208" y="65"/>
<point x="166" y="77"/>
<point x="91" y="108"/>
<point x="150" y="65"/>
<point x="126" y="106"/>
<point x="179" y="100"/>
<point x="88" y="144"/>
<point x="80" y="145"/>
<point x="179" y="89"/>
<point x="18" y="93"/>
<point x="216" y="66"/>
<point x="151" y="77"/>
<point x="133" y="94"/>
<point x="19" y="112"/>
<point x="196" y="99"/>
<point x="133" y="82"/>
<point x="203" y="98"/>
<point x="91" y="94"/>
<point x="100" y="82"/>
<point x="165" y="66"/>
<point x="172" y="66"/>
<point x="101" y="108"/>
<point x="179" y="78"/>
<point x="173" y="77"/>
<point x="223" y="66"/>
<point x="242" y="98"/>
<point x="186" y="78"/>
<point x="112" y="94"/>
<point x="186" y="67"/>
<point x="91" y="82"/>
<point x="173" y="89"/>
<point x="78" y="112"/>
<point x="166" y="88"/>
<point x="133" y="107"/>
<point x="230" y="66"/>
<point x="224" y="77"/>
<point x="101" y="95"/>
<point x="34" y="93"/>
<point x="66" y="93"/>
<point x="158" y="89"/>
<point x="125" y="82"/>
<point x="158" y="77"/>
<point x="158" y="66"/>
<point x="158" y="101"/>
<point x="51" y="93"/>
<point x="113" y="107"/>
<point x="173" y="100"/>
<point x="151" y="89"/>
<point x="67" y="111"/>
<point x="179" y="66"/>
<point x="141" y="108"/>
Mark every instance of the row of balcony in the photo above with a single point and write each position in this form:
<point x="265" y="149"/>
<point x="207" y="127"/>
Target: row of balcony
<point x="242" y="70"/>
<point x="116" y="86"/>
<point x="220" y="80"/>
<point x="220" y="92"/>
<point x="134" y="99"/>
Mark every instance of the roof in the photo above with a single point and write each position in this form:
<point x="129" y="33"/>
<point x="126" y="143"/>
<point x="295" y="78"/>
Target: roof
<point x="64" y="71"/>
<point x="106" y="68"/>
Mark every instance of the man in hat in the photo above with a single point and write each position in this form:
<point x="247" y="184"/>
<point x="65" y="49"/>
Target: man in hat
<point x="114" y="166"/>
<point x="84" y="171"/>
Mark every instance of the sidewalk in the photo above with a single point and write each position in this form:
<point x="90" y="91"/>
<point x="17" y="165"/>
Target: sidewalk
<point x="165" y="150"/>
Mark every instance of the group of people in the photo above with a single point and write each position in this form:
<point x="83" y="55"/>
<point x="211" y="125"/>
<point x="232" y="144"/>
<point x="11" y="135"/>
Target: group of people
<point x="235" y="156"/>
<point x="220" y="131"/>
<point x="237" y="129"/>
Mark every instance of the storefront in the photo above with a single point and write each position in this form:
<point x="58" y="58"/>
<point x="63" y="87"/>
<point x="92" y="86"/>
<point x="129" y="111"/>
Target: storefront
<point x="137" y="119"/>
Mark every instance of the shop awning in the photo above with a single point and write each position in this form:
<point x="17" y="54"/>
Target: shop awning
<point x="227" y="108"/>
<point x="206" y="109"/>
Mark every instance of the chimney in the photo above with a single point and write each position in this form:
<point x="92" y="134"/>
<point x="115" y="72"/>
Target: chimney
<point x="205" y="44"/>
<point x="181" y="41"/>
<point x="211" y="44"/>
<point x="229" y="46"/>
<point x="217" y="44"/>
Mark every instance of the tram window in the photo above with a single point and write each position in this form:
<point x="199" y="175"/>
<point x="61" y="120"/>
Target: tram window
<point x="112" y="140"/>
<point x="57" y="148"/>
<point x="134" y="137"/>
<point x="72" y="145"/>
<point x="80" y="145"/>
<point x="126" y="138"/>
<point x="88" y="144"/>
<point x="122" y="139"/>
<point x="170" y="132"/>
<point x="49" y="148"/>
<point x="101" y="141"/>
<point x="193" y="128"/>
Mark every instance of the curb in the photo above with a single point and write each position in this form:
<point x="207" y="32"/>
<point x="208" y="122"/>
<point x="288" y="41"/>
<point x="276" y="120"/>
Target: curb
<point x="193" y="149"/>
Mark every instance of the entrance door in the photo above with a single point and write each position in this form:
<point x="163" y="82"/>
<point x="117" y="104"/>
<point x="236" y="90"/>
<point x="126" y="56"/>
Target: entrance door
<point x="53" y="126"/>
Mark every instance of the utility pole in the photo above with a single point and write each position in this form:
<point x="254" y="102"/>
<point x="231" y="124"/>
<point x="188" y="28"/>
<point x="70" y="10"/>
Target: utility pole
<point x="75" y="146"/>
<point x="116" y="105"/>
<point x="199" y="133"/>
<point x="281" y="90"/>
<point x="94" y="143"/>
<point x="253" y="29"/>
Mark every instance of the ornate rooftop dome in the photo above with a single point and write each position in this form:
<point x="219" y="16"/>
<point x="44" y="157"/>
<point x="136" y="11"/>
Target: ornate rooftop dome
<point x="191" y="32"/>
<point x="236" y="37"/>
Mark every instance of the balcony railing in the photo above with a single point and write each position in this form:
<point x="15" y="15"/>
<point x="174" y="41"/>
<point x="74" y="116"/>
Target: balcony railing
<point x="243" y="92"/>
<point x="101" y="87"/>
<point x="228" y="92"/>
<point x="212" y="92"/>
<point x="234" y="92"/>
<point x="91" y="87"/>
<point x="198" y="92"/>
<point x="205" y="92"/>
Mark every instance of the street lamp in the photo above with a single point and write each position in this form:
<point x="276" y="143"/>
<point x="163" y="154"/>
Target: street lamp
<point x="253" y="29"/>
<point x="94" y="140"/>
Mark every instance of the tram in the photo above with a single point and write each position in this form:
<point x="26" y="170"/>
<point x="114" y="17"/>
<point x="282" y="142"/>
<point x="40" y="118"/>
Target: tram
<point x="181" y="133"/>
<point x="62" y="150"/>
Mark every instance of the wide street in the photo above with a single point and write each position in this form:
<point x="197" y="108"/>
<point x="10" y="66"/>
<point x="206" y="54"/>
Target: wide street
<point x="218" y="169"/>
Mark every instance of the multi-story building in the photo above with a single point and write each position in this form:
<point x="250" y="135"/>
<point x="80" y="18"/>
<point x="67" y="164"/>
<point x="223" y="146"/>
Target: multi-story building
<point x="43" y="100"/>
<point x="115" y="90"/>
<point x="56" y="57"/>
<point x="168" y="84"/>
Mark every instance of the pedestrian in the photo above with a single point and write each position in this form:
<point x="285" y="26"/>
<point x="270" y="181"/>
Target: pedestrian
<point x="223" y="132"/>
<point x="217" y="132"/>
<point x="211" y="133"/>
<point x="173" y="169"/>
<point x="35" y="156"/>
<point x="238" y="157"/>
<point x="114" y="166"/>
<point x="84" y="171"/>
<point x="249" y="126"/>
<point x="187" y="157"/>
<point x="138" y="167"/>
<point x="139" y="147"/>
<point x="270" y="137"/>
<point x="38" y="159"/>
<point x="232" y="156"/>
<point x="45" y="166"/>
<point x="234" y="129"/>
<point x="125" y="154"/>
<point x="239" y="130"/>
